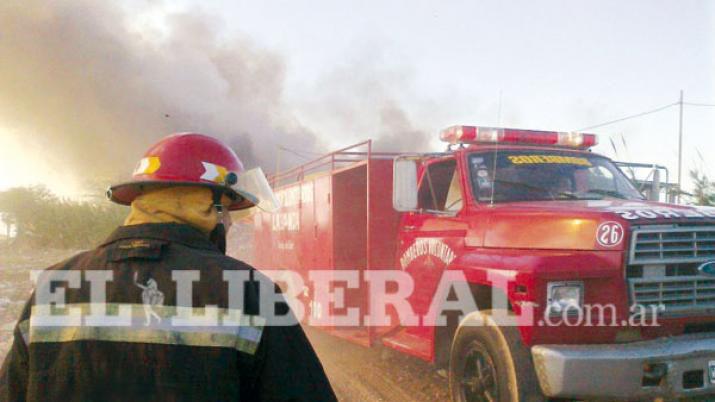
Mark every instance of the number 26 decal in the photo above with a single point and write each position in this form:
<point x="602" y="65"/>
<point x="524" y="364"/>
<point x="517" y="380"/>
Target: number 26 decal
<point x="610" y="234"/>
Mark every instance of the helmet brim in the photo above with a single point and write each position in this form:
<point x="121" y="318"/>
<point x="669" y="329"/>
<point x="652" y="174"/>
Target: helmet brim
<point x="125" y="193"/>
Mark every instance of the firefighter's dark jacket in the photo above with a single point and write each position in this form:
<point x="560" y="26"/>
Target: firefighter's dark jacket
<point x="273" y="363"/>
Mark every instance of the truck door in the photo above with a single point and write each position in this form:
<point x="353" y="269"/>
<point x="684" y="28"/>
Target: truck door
<point x="431" y="238"/>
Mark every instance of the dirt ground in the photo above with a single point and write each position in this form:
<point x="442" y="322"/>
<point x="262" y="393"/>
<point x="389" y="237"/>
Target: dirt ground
<point x="376" y="374"/>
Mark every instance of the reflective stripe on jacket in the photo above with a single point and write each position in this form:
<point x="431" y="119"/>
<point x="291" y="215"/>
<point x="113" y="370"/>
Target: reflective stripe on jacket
<point x="149" y="356"/>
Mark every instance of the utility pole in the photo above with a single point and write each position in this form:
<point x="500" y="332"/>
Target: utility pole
<point x="680" y="148"/>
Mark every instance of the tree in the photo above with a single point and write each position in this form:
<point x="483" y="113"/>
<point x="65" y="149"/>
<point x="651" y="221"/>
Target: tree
<point x="9" y="221"/>
<point x="41" y="219"/>
<point x="704" y="189"/>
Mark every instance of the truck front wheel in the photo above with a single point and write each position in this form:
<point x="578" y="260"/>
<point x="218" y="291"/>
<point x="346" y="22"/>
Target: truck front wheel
<point x="489" y="363"/>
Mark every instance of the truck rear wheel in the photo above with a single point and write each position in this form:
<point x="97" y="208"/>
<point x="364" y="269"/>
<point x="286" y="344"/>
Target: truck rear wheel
<point x="489" y="363"/>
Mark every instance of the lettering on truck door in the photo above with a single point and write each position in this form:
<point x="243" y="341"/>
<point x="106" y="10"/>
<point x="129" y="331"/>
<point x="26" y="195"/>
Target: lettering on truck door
<point x="431" y="237"/>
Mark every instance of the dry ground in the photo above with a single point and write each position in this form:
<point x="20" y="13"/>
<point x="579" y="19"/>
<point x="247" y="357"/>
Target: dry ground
<point x="360" y="374"/>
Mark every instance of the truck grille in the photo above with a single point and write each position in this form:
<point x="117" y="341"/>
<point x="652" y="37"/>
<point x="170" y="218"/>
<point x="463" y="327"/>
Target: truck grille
<point x="683" y="293"/>
<point x="663" y="269"/>
<point x="677" y="245"/>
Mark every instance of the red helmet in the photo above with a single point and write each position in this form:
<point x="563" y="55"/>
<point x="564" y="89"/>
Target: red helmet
<point x="186" y="159"/>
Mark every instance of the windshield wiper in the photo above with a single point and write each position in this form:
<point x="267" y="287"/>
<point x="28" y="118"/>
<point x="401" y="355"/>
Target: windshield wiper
<point x="610" y="193"/>
<point x="570" y="196"/>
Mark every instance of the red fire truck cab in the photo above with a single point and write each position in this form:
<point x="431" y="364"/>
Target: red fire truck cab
<point x="580" y="287"/>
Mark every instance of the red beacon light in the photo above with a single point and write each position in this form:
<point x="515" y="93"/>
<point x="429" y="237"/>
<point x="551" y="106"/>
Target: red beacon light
<point x="492" y="135"/>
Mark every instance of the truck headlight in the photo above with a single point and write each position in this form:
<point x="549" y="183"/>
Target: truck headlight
<point x="564" y="296"/>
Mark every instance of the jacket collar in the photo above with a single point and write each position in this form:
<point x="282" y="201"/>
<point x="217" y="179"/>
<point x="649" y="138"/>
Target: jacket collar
<point x="172" y="232"/>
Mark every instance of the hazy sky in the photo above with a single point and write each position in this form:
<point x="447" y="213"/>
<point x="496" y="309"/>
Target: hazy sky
<point x="560" y="65"/>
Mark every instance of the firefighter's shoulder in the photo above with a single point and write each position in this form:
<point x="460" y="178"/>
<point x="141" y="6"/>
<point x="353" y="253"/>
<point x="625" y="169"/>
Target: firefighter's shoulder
<point x="76" y="261"/>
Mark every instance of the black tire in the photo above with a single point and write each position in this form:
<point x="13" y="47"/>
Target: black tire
<point x="491" y="363"/>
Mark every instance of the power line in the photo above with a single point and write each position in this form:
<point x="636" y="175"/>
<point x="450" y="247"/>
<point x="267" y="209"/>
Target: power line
<point x="699" y="104"/>
<point x="630" y="117"/>
<point x="290" y="151"/>
<point x="303" y="153"/>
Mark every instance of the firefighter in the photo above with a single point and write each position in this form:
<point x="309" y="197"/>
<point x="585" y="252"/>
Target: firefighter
<point x="146" y="347"/>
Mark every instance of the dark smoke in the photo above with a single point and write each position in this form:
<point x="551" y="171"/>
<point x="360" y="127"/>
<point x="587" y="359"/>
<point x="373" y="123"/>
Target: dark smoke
<point x="362" y="98"/>
<point x="397" y="134"/>
<point x="75" y="80"/>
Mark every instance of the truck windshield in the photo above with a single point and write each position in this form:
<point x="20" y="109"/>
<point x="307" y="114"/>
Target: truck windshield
<point x="539" y="175"/>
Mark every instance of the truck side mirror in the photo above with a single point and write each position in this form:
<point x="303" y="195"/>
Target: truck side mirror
<point x="404" y="183"/>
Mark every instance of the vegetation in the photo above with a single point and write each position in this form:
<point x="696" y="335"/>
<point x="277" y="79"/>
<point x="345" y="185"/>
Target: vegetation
<point x="704" y="189"/>
<point x="35" y="217"/>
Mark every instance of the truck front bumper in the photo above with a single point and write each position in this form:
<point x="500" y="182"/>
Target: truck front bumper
<point x="618" y="371"/>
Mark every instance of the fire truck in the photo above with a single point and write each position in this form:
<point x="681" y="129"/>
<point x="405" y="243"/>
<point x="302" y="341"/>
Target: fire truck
<point x="580" y="287"/>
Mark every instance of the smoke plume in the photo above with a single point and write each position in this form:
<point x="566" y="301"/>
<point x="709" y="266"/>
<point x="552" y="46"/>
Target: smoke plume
<point x="362" y="98"/>
<point x="92" y="92"/>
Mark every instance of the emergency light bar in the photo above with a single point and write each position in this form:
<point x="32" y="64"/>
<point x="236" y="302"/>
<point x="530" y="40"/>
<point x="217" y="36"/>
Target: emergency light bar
<point x="474" y="135"/>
